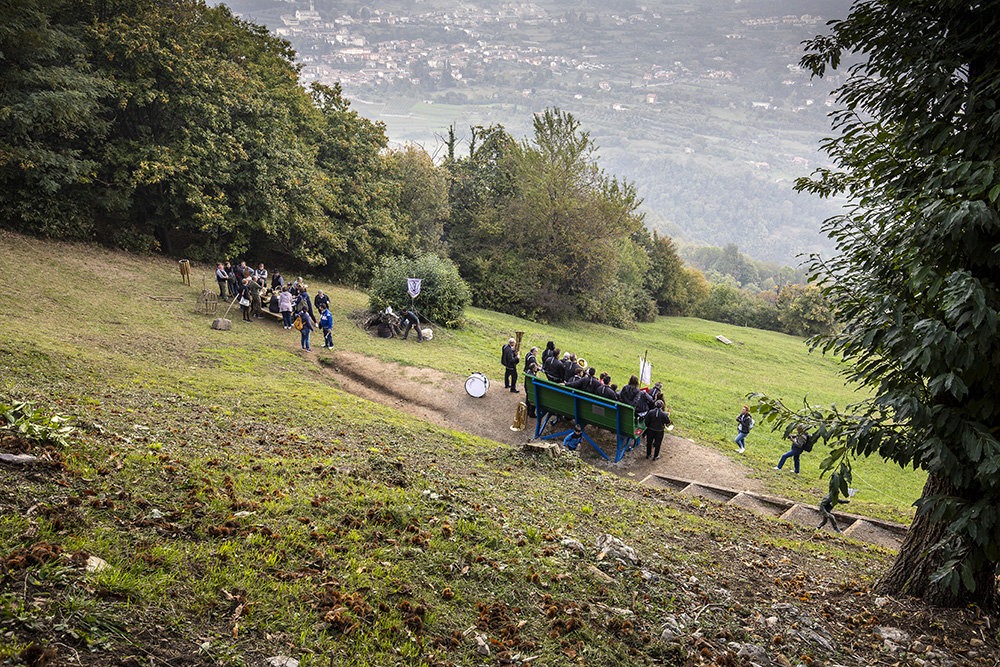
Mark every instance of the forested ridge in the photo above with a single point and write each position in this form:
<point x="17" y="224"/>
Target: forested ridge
<point x="173" y="126"/>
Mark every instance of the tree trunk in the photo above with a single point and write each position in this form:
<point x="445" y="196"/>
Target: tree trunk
<point x="911" y="572"/>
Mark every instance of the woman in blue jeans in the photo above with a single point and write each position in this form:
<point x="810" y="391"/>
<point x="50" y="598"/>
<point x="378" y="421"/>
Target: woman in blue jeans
<point x="799" y="441"/>
<point x="307" y="326"/>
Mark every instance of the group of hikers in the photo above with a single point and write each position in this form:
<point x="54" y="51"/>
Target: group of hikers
<point x="249" y="287"/>
<point x="564" y="368"/>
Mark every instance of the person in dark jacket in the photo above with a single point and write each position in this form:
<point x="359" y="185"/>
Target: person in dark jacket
<point x="533" y="370"/>
<point x="234" y="287"/>
<point x="531" y="358"/>
<point x="826" y="511"/>
<point x="629" y="392"/>
<point x="606" y="389"/>
<point x="579" y="381"/>
<point x="549" y="351"/>
<point x="410" y="320"/>
<point x="277" y="282"/>
<point x="553" y="367"/>
<point x="643" y="404"/>
<point x="303" y="302"/>
<point x="509" y="359"/>
<point x="657" y="420"/>
<point x="744" y="422"/>
<point x="308" y="324"/>
<point x="255" y="304"/>
<point x="247" y="298"/>
<point x="321" y="301"/>
<point x="222" y="278"/>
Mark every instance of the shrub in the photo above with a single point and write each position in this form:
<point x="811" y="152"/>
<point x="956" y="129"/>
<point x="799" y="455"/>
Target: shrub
<point x="443" y="294"/>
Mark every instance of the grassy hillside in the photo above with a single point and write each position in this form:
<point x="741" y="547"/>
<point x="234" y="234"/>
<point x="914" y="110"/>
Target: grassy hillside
<point x="246" y="508"/>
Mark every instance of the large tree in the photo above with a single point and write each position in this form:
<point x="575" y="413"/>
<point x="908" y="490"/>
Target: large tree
<point x="50" y="102"/>
<point x="916" y="285"/>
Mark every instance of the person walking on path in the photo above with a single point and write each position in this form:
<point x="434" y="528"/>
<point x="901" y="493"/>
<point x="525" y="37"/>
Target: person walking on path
<point x="800" y="443"/>
<point x="308" y="324"/>
<point x="657" y="420"/>
<point x="744" y="423"/>
<point x="826" y="511"/>
<point x="326" y="324"/>
<point x="509" y="359"/>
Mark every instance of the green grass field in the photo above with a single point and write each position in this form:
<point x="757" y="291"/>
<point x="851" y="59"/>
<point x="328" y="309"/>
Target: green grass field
<point x="247" y="508"/>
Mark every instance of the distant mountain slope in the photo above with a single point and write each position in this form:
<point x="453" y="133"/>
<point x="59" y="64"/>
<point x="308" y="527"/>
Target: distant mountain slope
<point x="702" y="105"/>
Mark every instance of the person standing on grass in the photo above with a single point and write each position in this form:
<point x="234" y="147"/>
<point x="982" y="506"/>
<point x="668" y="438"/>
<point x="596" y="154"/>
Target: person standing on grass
<point x="657" y="420"/>
<point x="744" y="422"/>
<point x="321" y="301"/>
<point x="254" y="288"/>
<point x="308" y="324"/>
<point x="826" y="511"/>
<point x="285" y="306"/>
<point x="326" y="324"/>
<point x="509" y="359"/>
<point x="222" y="278"/>
<point x="800" y="443"/>
<point x="231" y="276"/>
<point x="245" y="298"/>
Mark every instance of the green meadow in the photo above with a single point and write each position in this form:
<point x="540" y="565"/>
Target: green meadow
<point x="244" y="507"/>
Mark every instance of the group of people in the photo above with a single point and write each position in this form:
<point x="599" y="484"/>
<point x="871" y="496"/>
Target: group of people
<point x="249" y="287"/>
<point x="802" y="442"/>
<point x="564" y="368"/>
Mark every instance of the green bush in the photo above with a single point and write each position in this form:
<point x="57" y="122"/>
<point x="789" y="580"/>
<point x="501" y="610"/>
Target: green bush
<point x="443" y="294"/>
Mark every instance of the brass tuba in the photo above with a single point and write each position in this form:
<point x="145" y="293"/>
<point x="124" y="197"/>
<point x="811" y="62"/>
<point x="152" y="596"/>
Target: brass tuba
<point x="582" y="363"/>
<point x="520" y="417"/>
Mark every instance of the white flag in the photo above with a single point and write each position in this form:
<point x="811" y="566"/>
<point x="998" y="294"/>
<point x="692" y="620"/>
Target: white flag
<point x="413" y="286"/>
<point x="645" y="371"/>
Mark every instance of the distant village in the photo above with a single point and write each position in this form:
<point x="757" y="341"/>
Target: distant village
<point x="341" y="54"/>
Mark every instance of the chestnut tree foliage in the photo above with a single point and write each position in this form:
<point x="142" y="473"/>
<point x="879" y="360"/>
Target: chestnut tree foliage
<point x="916" y="285"/>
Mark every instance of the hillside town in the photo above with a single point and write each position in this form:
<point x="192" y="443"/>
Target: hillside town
<point x="465" y="43"/>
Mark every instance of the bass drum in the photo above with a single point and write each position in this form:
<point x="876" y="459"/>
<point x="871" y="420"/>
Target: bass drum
<point x="476" y="385"/>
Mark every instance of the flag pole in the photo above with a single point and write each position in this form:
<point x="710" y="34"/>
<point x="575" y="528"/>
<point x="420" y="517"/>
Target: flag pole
<point x="642" y="371"/>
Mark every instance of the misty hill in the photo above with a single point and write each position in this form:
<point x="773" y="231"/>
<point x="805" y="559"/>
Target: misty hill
<point x="701" y="105"/>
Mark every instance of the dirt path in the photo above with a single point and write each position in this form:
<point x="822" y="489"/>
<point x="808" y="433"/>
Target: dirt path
<point x="440" y="398"/>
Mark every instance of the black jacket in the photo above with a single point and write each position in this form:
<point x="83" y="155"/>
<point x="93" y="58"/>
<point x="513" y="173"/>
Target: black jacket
<point x="528" y="360"/>
<point x="553" y="369"/>
<point x="657" y="420"/>
<point x="508" y="357"/>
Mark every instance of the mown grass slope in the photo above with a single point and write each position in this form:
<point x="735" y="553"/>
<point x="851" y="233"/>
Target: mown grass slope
<point x="246" y="509"/>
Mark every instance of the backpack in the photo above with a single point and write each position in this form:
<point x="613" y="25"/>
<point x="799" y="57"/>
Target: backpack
<point x="808" y="446"/>
<point x="297" y="323"/>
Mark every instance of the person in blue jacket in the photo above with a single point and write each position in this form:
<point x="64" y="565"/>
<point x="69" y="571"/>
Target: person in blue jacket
<point x="326" y="324"/>
<point x="573" y="440"/>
